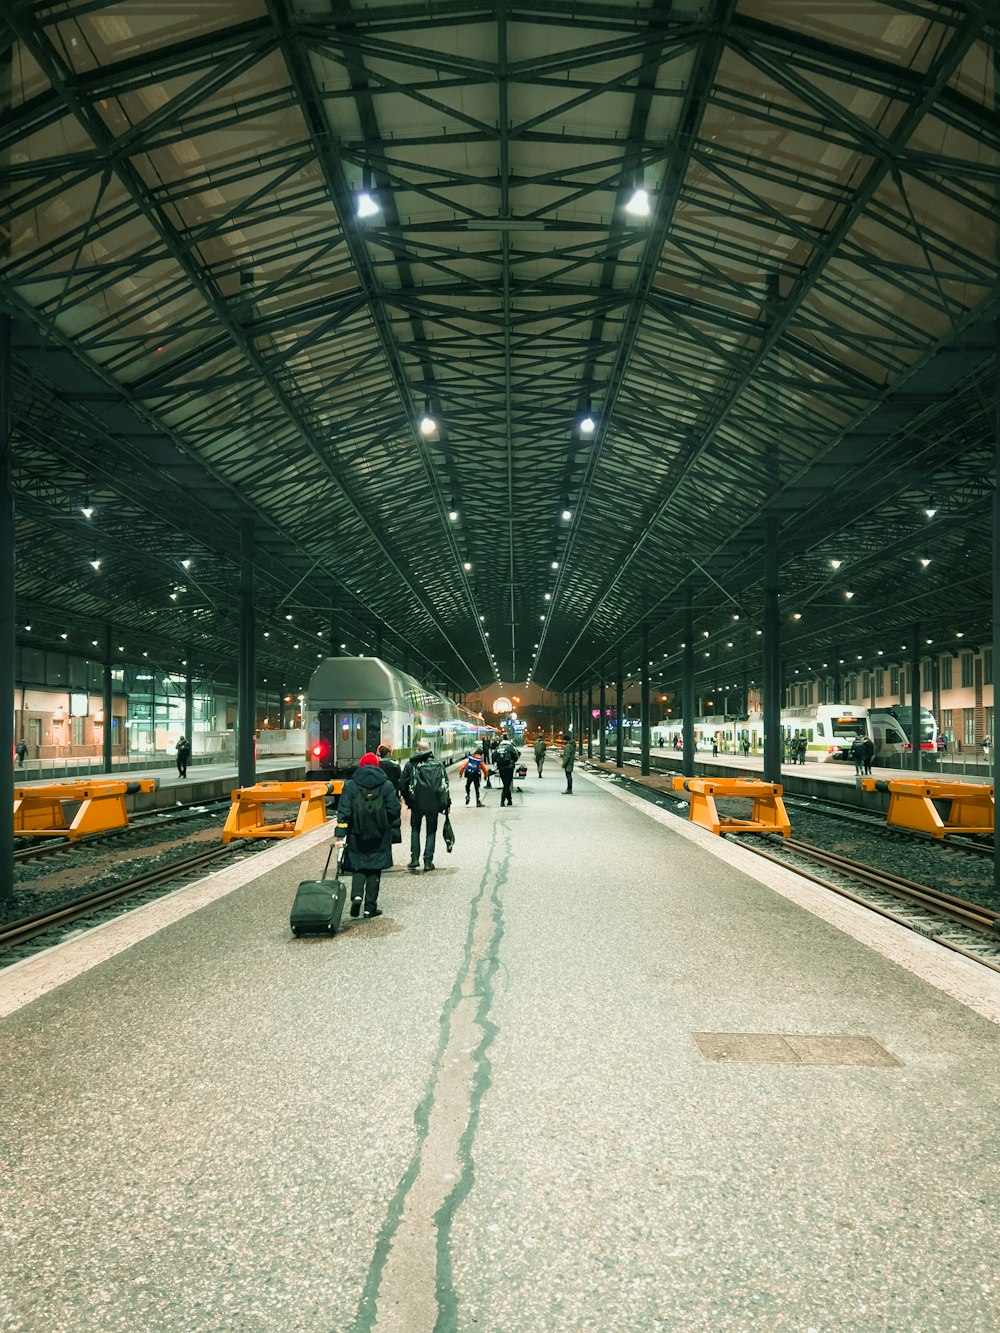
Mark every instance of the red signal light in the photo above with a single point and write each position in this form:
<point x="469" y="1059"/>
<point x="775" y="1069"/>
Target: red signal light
<point x="318" y="751"/>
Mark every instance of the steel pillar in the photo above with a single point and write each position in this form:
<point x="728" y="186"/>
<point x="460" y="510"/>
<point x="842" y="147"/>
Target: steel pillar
<point x="644" y="705"/>
<point x="246" y="722"/>
<point x="619" y="707"/>
<point x="107" y="755"/>
<point x="7" y="609"/>
<point x="916" y="753"/>
<point x="687" y="690"/>
<point x="772" y="656"/>
<point x="602" y="724"/>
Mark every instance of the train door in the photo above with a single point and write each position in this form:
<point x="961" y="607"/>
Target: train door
<point x="357" y="734"/>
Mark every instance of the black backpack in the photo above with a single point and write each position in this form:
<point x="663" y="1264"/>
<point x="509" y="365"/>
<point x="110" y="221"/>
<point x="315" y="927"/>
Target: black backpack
<point x="430" y="784"/>
<point x="369" y="817"/>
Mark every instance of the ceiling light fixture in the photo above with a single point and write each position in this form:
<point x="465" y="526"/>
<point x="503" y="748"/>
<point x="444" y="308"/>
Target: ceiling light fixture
<point x="366" y="205"/>
<point x="427" y="423"/>
<point x="638" y="203"/>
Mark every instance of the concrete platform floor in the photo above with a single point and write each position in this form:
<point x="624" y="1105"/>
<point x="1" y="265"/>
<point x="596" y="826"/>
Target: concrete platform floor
<point x="498" y="1106"/>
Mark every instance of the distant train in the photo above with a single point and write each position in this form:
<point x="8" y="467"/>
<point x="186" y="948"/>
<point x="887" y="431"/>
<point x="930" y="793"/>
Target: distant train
<point x="829" y="731"/>
<point x="355" y="704"/>
<point x="902" y="714"/>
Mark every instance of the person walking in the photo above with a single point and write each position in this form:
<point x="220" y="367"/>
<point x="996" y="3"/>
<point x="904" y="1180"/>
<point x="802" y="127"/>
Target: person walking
<point x="182" y="755"/>
<point x="425" y="792"/>
<point x="506" y="756"/>
<point x="568" y="760"/>
<point x="367" y="813"/>
<point x="22" y="752"/>
<point x="858" y="754"/>
<point x="540" y="748"/>
<point x="746" y="747"/>
<point x="389" y="766"/>
<point x="472" y="767"/>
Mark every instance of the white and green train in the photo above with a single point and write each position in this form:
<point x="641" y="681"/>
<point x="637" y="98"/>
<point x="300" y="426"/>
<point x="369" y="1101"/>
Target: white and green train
<point x="355" y="704"/>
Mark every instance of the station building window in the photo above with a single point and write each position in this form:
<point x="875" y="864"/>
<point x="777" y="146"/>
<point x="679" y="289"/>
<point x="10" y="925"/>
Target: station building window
<point x="879" y="682"/>
<point x="894" y="680"/>
<point x="988" y="672"/>
<point x="968" y="725"/>
<point x="989" y="721"/>
<point x="946" y="672"/>
<point x="967" y="673"/>
<point x="947" y="723"/>
<point x="927" y="674"/>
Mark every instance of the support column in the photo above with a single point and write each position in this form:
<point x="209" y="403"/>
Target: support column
<point x="281" y="706"/>
<point x="915" y="751"/>
<point x="996" y="583"/>
<point x="246" y="721"/>
<point x="7" y="606"/>
<point x="107" y="754"/>
<point x="189" y="702"/>
<point x="772" y="656"/>
<point x="687" y="691"/>
<point x="603" y="722"/>
<point x="644" y="705"/>
<point x="619" y="709"/>
<point x="590" y="720"/>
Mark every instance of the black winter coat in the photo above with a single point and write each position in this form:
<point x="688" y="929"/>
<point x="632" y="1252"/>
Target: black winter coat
<point x="416" y="796"/>
<point x="378" y="857"/>
<point x="392" y="771"/>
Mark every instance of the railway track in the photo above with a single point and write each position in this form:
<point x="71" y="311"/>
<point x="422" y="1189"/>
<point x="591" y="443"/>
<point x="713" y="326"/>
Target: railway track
<point x="965" y="927"/>
<point x="27" y="849"/>
<point x="21" y="938"/>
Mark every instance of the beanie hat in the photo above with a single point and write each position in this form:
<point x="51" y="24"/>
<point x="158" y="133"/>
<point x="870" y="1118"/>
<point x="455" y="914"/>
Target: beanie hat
<point x="368" y="759"/>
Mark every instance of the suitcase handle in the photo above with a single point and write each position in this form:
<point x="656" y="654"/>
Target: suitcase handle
<point x="333" y="848"/>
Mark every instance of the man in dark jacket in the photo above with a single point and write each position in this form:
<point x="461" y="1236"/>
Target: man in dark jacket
<point x="389" y="766"/>
<point x="869" y="755"/>
<point x="540" y="748"/>
<point x="568" y="760"/>
<point x="366" y="814"/>
<point x="424" y="789"/>
<point x="506" y="756"/>
<point x="182" y="754"/>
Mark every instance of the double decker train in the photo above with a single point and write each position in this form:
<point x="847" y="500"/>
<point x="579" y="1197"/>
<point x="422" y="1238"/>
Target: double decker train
<point x="355" y="704"/>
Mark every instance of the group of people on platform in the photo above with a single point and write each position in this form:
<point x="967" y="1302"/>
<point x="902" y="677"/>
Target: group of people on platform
<point x="862" y="752"/>
<point x="369" y="812"/>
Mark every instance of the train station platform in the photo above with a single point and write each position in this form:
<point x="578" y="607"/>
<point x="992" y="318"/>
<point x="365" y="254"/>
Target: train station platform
<point x="600" y="1070"/>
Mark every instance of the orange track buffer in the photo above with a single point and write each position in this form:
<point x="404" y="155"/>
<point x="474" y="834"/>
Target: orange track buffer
<point x="246" y="814"/>
<point x="936" y="806"/>
<point x="40" y="810"/>
<point x="767" y="815"/>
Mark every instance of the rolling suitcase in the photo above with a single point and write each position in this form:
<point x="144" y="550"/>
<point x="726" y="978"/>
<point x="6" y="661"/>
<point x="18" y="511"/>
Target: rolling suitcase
<point x="319" y="903"/>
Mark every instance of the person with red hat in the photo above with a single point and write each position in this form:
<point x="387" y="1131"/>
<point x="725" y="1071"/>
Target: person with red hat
<point x="367" y="813"/>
